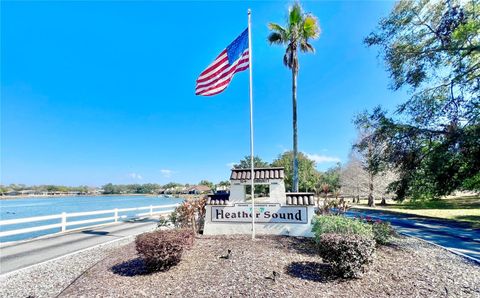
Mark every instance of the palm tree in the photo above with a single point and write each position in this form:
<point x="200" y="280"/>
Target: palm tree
<point x="299" y="29"/>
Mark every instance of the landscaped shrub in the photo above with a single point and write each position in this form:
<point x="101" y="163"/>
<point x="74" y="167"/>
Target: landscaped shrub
<point x="382" y="232"/>
<point x="348" y="254"/>
<point x="190" y="214"/>
<point x="340" y="225"/>
<point x="162" y="249"/>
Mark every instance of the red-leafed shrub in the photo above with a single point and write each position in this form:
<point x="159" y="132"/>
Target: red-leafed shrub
<point x="162" y="249"/>
<point x="190" y="214"/>
<point x="348" y="254"/>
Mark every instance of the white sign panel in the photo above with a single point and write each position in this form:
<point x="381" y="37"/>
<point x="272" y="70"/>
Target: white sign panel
<point x="264" y="213"/>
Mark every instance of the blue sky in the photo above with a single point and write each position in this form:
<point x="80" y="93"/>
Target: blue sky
<point x="98" y="92"/>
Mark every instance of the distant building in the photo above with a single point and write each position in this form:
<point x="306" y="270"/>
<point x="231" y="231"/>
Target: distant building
<point x="198" y="189"/>
<point x="12" y="193"/>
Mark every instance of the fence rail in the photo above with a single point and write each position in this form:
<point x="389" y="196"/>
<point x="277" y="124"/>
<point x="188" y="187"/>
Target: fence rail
<point x="64" y="223"/>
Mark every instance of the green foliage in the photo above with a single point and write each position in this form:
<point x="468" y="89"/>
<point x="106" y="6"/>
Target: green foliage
<point x="16" y="187"/>
<point x="3" y="189"/>
<point x="224" y="183"/>
<point x="163" y="222"/>
<point x="258" y="163"/>
<point x="432" y="48"/>
<point x="206" y="183"/>
<point x="308" y="174"/>
<point x="172" y="185"/>
<point x="44" y="188"/>
<point x="472" y="183"/>
<point x="348" y="254"/>
<point x="147" y="188"/>
<point x="337" y="224"/>
<point x="110" y="189"/>
<point x="173" y="217"/>
<point x="163" y="249"/>
<point x="382" y="232"/>
<point x="331" y="177"/>
<point x="245" y="163"/>
<point x="259" y="191"/>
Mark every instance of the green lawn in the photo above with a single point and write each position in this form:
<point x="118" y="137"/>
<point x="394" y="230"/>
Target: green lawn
<point x="460" y="208"/>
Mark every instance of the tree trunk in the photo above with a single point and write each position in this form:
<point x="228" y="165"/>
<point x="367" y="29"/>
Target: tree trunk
<point x="371" y="200"/>
<point x="295" y="139"/>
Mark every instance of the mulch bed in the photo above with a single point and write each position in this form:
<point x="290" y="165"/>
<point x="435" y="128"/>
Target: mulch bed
<point x="407" y="268"/>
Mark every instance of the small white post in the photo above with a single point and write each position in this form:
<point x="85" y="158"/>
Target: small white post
<point x="115" y="214"/>
<point x="64" y="221"/>
<point x="151" y="210"/>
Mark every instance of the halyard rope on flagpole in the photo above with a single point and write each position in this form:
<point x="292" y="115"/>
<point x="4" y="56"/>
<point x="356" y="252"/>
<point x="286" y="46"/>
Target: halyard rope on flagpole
<point x="252" y="191"/>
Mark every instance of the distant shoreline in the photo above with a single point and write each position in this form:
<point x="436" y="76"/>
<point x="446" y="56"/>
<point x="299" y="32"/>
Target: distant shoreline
<point x="63" y="196"/>
<point x="170" y="196"/>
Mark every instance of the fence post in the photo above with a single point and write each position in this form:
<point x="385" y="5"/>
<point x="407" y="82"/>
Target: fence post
<point x="151" y="210"/>
<point x="64" y="221"/>
<point x="116" y="215"/>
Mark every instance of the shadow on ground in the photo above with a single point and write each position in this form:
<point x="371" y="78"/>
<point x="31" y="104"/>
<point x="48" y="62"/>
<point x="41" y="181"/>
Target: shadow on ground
<point x="313" y="271"/>
<point x="469" y="218"/>
<point x="305" y="246"/>
<point x="92" y="232"/>
<point x="130" y="268"/>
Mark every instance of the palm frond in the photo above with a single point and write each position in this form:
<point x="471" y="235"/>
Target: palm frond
<point x="306" y="47"/>
<point x="279" y="34"/>
<point x="286" y="58"/>
<point x="277" y="28"/>
<point x="311" y="29"/>
<point x="295" y="15"/>
<point x="275" y="38"/>
<point x="289" y="57"/>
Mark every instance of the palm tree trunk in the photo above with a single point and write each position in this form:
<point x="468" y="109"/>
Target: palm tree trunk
<point x="295" y="138"/>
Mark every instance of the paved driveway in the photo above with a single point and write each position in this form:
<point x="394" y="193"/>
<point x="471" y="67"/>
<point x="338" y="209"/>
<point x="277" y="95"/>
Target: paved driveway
<point x="457" y="237"/>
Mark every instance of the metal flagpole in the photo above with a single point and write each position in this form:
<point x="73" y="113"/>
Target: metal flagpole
<point x="252" y="191"/>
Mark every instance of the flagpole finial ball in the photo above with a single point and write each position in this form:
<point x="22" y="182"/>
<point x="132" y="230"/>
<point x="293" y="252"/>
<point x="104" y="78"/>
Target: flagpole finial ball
<point x="249" y="11"/>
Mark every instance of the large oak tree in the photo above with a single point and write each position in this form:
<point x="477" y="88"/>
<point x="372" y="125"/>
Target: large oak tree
<point x="431" y="49"/>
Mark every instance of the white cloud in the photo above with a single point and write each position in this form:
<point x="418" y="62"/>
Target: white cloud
<point x="166" y="173"/>
<point x="319" y="158"/>
<point x="135" y="176"/>
<point x="230" y="165"/>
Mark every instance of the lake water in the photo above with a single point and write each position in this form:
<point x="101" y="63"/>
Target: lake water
<point x="29" y="207"/>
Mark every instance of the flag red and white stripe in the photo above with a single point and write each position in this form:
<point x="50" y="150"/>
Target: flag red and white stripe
<point x="216" y="77"/>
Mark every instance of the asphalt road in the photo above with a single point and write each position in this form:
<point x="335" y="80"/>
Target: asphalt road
<point x="24" y="254"/>
<point x="457" y="237"/>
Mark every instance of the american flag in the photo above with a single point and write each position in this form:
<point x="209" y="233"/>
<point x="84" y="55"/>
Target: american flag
<point x="217" y="76"/>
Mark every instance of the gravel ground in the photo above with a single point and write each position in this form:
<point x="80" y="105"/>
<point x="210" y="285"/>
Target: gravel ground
<point x="407" y="268"/>
<point x="50" y="278"/>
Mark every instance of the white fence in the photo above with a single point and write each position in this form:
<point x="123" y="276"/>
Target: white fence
<point x="64" y="223"/>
